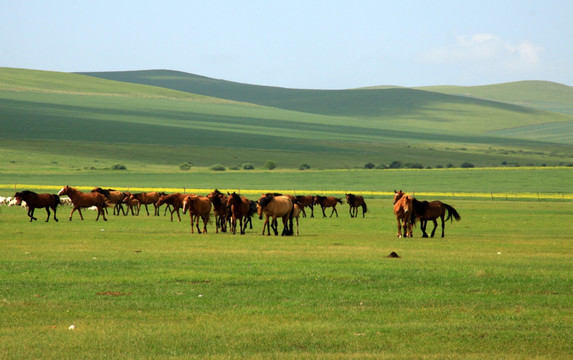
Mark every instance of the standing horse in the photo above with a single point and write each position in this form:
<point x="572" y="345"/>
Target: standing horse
<point x="199" y="208"/>
<point x="82" y="200"/>
<point x="219" y="201"/>
<point x="176" y="200"/>
<point x="114" y="197"/>
<point x="424" y="211"/>
<point x="305" y="201"/>
<point x="240" y="208"/>
<point x="274" y="206"/>
<point x="403" y="209"/>
<point x="327" y="201"/>
<point x="145" y="198"/>
<point x="354" y="201"/>
<point x="34" y="201"/>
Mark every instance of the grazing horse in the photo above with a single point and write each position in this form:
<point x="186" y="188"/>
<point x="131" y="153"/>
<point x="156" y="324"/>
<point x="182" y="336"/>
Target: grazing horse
<point x="219" y="201"/>
<point x="424" y="211"/>
<point x="199" y="208"/>
<point x="275" y="206"/>
<point x="176" y="200"/>
<point x="34" y="201"/>
<point x="403" y="209"/>
<point x="82" y="200"/>
<point x="114" y="197"/>
<point x="306" y="201"/>
<point x="327" y="201"/>
<point x="240" y="207"/>
<point x="146" y="199"/>
<point x="354" y="201"/>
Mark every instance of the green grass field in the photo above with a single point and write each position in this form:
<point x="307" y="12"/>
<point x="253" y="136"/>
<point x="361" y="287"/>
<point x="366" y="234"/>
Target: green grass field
<point x="498" y="286"/>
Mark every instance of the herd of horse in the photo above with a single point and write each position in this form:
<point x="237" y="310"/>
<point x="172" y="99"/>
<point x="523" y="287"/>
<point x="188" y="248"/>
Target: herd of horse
<point x="232" y="211"/>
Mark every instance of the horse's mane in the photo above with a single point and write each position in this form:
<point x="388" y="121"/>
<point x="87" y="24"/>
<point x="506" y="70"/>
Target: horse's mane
<point x="351" y="198"/>
<point x="235" y="196"/>
<point x="266" y="200"/>
<point x="26" y="193"/>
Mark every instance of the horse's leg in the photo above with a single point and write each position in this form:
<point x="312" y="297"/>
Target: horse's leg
<point x="443" y="225"/>
<point x="31" y="214"/>
<point x="435" y="227"/>
<point x="323" y="213"/>
<point x="399" y="226"/>
<point x="265" y="224"/>
<point x="178" y="216"/>
<point x="333" y="211"/>
<point x="54" y="208"/>
<point x="303" y="212"/>
<point x="146" y="209"/>
<point x="48" y="211"/>
<point x="311" y="211"/>
<point x="241" y="228"/>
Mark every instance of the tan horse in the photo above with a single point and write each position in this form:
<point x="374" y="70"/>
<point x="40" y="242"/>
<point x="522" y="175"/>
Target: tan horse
<point x="306" y="201"/>
<point x="114" y="197"/>
<point x="34" y="201"/>
<point x="219" y="201"/>
<point x="403" y="209"/>
<point x="175" y="200"/>
<point x="199" y="208"/>
<point x="239" y="207"/>
<point x="83" y="200"/>
<point x="424" y="211"/>
<point x="146" y="199"/>
<point x="326" y="202"/>
<point x="275" y="206"/>
<point x="354" y="201"/>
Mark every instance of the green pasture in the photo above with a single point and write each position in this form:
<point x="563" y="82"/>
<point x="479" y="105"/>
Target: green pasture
<point x="498" y="286"/>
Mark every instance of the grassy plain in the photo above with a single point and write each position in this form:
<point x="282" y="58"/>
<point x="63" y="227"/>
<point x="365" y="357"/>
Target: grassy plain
<point x="498" y="286"/>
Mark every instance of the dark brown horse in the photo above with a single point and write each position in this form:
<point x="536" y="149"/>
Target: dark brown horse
<point x="403" y="209"/>
<point x="275" y="206"/>
<point x="34" y="201"/>
<point x="326" y="202"/>
<point x="175" y="200"/>
<point x="355" y="201"/>
<point x="431" y="210"/>
<point x="115" y="197"/>
<point x="199" y="208"/>
<point x="219" y="201"/>
<point x="305" y="201"/>
<point x="240" y="208"/>
<point x="146" y="198"/>
<point x="82" y="200"/>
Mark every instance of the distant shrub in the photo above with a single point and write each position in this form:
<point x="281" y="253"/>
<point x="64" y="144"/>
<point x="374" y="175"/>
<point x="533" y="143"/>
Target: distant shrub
<point x="270" y="165"/>
<point x="304" y="166"/>
<point x="248" y="166"/>
<point x="414" y="166"/>
<point x="185" y="166"/>
<point x="118" y="167"/>
<point x="217" y="167"/>
<point x="396" y="164"/>
<point x="450" y="165"/>
<point x="369" y="165"/>
<point x="467" y="165"/>
<point x="381" y="166"/>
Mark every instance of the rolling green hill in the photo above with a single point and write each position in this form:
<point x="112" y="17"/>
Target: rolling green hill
<point x="158" y="119"/>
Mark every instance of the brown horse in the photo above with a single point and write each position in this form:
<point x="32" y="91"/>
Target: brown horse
<point x="354" y="201"/>
<point x="175" y="200"/>
<point x="146" y="198"/>
<point x="275" y="206"/>
<point x="130" y="203"/>
<point x="424" y="211"/>
<point x="114" y="197"/>
<point x="83" y="200"/>
<point x="240" y="208"/>
<point x="34" y="201"/>
<point x="326" y="202"/>
<point x="219" y="201"/>
<point x="199" y="208"/>
<point x="306" y="201"/>
<point x="403" y="209"/>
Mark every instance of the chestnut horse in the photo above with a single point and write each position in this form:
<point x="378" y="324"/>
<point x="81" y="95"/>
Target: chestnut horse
<point x="199" y="208"/>
<point x="83" y="200"/>
<point x="146" y="198"/>
<point x="176" y="200"/>
<point x="240" y="208"/>
<point x="219" y="201"/>
<point x="403" y="209"/>
<point x="354" y="201"/>
<point x="327" y="201"/>
<point x="114" y="196"/>
<point x="306" y="201"/>
<point x="34" y="201"/>
<point x="424" y="211"/>
<point x="275" y="206"/>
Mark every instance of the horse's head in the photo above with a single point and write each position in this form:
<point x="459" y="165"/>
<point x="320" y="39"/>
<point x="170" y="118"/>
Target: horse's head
<point x="397" y="195"/>
<point x="64" y="190"/>
<point x="18" y="197"/>
<point x="187" y="204"/>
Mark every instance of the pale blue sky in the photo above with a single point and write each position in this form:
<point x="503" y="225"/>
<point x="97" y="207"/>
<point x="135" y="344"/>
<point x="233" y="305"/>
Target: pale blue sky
<point x="298" y="44"/>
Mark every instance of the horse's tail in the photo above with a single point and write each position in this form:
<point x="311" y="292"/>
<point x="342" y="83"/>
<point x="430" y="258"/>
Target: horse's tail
<point x="452" y="212"/>
<point x="339" y="200"/>
<point x="364" y="208"/>
<point x="57" y="199"/>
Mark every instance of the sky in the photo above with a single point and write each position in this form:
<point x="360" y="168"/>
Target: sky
<point x="309" y="44"/>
